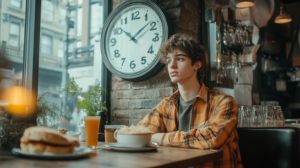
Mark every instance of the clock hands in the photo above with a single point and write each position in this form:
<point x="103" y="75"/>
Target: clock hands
<point x="129" y="35"/>
<point x="139" y="31"/>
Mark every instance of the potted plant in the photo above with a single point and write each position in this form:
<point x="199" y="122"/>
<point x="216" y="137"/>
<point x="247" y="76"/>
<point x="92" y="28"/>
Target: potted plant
<point x="92" y="101"/>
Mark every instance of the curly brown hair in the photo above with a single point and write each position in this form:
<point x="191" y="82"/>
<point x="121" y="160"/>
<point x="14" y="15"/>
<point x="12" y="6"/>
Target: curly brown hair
<point x="187" y="44"/>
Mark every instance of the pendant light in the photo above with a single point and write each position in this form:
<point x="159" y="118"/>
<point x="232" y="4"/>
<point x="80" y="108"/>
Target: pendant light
<point x="243" y="3"/>
<point x="283" y="17"/>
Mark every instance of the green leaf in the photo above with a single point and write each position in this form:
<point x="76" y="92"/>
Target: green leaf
<point x="91" y="102"/>
<point x="71" y="87"/>
<point x="44" y="109"/>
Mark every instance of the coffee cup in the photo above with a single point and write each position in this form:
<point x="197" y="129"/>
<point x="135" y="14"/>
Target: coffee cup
<point x="133" y="140"/>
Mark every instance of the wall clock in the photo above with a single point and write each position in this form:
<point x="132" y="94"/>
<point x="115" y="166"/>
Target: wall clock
<point x="131" y="38"/>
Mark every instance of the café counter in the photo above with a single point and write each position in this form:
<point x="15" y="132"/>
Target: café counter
<point x="276" y="147"/>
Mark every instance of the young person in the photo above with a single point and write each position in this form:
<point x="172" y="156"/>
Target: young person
<point x="194" y="116"/>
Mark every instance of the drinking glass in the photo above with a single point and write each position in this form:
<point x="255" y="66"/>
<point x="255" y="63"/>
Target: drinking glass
<point x="109" y="132"/>
<point x="241" y="117"/>
<point x="247" y="116"/>
<point x="279" y="117"/>
<point x="269" y="116"/>
<point x="91" y="130"/>
<point x="256" y="117"/>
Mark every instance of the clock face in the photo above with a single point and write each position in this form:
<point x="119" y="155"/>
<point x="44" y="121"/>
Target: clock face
<point x="133" y="39"/>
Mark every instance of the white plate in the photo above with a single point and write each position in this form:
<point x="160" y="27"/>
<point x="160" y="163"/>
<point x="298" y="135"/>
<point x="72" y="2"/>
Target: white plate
<point x="78" y="152"/>
<point x="115" y="146"/>
<point x="74" y="134"/>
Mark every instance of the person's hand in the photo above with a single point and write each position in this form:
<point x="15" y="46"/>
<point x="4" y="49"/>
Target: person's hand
<point x="157" y="137"/>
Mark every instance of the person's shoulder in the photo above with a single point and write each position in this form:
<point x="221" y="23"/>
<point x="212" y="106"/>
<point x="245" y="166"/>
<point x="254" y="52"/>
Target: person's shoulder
<point x="165" y="101"/>
<point x="169" y="99"/>
<point x="218" y="98"/>
<point x="213" y="94"/>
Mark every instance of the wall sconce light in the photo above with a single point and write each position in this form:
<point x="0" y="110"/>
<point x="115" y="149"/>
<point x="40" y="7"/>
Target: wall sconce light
<point x="283" y="17"/>
<point x="243" y="3"/>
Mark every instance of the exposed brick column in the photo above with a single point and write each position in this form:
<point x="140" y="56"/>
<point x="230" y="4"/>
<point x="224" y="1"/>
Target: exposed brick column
<point x="131" y="101"/>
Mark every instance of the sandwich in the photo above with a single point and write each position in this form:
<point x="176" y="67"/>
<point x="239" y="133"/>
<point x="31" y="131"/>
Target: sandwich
<point x="43" y="139"/>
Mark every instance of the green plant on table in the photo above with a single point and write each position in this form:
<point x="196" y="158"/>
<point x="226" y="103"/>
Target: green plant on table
<point x="91" y="102"/>
<point x="44" y="109"/>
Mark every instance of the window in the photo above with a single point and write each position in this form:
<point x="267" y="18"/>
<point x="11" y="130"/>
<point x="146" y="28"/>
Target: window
<point x="79" y="2"/>
<point x="79" y="63"/>
<point x="16" y="3"/>
<point x="79" y="44"/>
<point x="63" y="14"/>
<point x="14" y="35"/>
<point x="10" y="40"/>
<point x="47" y="10"/>
<point x="96" y="18"/>
<point x="46" y="45"/>
<point x="51" y="69"/>
<point x="61" y="46"/>
<point x="79" y="22"/>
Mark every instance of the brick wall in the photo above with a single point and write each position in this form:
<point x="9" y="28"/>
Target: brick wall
<point x="131" y="101"/>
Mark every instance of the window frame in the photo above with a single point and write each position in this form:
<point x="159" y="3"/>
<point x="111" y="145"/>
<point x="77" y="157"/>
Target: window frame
<point x="106" y="74"/>
<point x="31" y="55"/>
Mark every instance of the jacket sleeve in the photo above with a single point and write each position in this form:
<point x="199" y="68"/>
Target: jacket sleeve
<point x="154" y="120"/>
<point x="213" y="134"/>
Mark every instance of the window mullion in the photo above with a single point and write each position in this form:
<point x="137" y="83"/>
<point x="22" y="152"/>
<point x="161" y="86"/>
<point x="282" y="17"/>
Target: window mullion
<point x="31" y="53"/>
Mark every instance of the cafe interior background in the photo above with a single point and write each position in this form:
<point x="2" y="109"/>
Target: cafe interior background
<point x="251" y="57"/>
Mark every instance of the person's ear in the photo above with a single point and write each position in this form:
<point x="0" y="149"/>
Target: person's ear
<point x="198" y="65"/>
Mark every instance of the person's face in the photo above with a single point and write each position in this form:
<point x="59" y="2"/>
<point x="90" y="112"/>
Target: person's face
<point x="180" y="67"/>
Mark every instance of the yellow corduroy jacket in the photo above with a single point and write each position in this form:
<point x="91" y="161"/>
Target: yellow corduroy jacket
<point x="213" y="126"/>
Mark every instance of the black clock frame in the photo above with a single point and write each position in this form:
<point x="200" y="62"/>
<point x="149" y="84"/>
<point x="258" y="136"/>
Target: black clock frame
<point x="156" y="65"/>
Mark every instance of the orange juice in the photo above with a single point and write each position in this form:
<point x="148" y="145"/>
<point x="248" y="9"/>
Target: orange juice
<point x="91" y="130"/>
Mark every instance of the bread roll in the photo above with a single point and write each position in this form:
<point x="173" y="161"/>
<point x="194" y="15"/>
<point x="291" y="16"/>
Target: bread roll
<point x="49" y="136"/>
<point x="24" y="144"/>
<point x="33" y="146"/>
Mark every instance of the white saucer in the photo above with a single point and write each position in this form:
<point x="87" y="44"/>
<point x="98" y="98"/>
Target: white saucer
<point x="74" y="134"/>
<point x="117" y="147"/>
<point x="78" y="152"/>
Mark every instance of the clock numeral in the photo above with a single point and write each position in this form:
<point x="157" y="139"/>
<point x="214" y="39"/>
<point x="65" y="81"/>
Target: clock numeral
<point x="117" y="54"/>
<point x="151" y="50"/>
<point x="114" y="41"/>
<point x="123" y="61"/>
<point x="144" y="60"/>
<point x="156" y="38"/>
<point x="153" y="24"/>
<point x="125" y="20"/>
<point x="146" y="17"/>
<point x="136" y="15"/>
<point x="132" y="65"/>
<point x="117" y="31"/>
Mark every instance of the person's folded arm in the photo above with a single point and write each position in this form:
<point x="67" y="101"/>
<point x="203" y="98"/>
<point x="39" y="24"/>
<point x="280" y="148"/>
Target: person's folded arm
<point x="213" y="134"/>
<point x="154" y="120"/>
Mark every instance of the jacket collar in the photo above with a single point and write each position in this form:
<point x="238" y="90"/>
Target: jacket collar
<point x="203" y="93"/>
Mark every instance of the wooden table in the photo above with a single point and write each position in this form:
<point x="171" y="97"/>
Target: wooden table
<point x="101" y="158"/>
